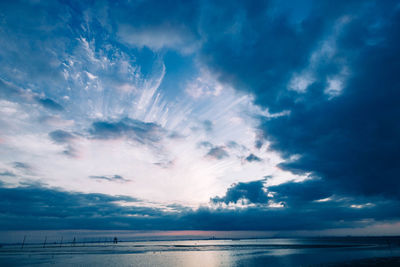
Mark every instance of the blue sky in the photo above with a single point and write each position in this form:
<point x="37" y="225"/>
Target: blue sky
<point x="204" y="115"/>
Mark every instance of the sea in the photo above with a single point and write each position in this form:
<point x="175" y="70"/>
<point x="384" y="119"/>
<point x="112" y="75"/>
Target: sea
<point x="203" y="252"/>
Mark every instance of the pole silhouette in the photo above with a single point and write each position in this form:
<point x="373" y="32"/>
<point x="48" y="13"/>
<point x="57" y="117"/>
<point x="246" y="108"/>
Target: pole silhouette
<point x="23" y="242"/>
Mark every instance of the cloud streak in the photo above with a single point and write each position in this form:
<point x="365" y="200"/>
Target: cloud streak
<point x="113" y="178"/>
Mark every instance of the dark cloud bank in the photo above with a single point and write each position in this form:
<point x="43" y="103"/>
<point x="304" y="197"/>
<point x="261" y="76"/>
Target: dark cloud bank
<point x="349" y="143"/>
<point x="35" y="207"/>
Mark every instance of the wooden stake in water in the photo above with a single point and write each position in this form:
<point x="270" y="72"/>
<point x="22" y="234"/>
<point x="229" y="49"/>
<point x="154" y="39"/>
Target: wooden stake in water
<point x="23" y="242"/>
<point x="44" y="243"/>
<point x="61" y="241"/>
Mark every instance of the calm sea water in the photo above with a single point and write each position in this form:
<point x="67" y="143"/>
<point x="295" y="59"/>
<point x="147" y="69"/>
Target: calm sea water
<point x="244" y="252"/>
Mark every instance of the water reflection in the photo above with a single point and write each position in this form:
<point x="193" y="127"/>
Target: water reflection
<point x="246" y="252"/>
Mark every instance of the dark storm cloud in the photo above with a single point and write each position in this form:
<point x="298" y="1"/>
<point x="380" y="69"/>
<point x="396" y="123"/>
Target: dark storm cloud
<point x="257" y="46"/>
<point x="217" y="152"/>
<point x="314" y="216"/>
<point x="143" y="132"/>
<point x="45" y="208"/>
<point x="299" y="193"/>
<point x="351" y="140"/>
<point x="113" y="178"/>
<point x="309" y="205"/>
<point x="251" y="191"/>
<point x="256" y="49"/>
<point x="37" y="207"/>
<point x="290" y="193"/>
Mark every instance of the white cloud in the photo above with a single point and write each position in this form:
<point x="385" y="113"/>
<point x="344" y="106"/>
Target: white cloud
<point x="204" y="85"/>
<point x="300" y="83"/>
<point x="325" y="52"/>
<point x="334" y="88"/>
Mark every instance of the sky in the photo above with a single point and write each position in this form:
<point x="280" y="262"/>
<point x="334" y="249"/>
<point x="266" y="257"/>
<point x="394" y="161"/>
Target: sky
<point x="200" y="115"/>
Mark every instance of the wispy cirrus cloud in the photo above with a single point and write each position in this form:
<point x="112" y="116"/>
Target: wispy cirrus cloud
<point x="110" y="178"/>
